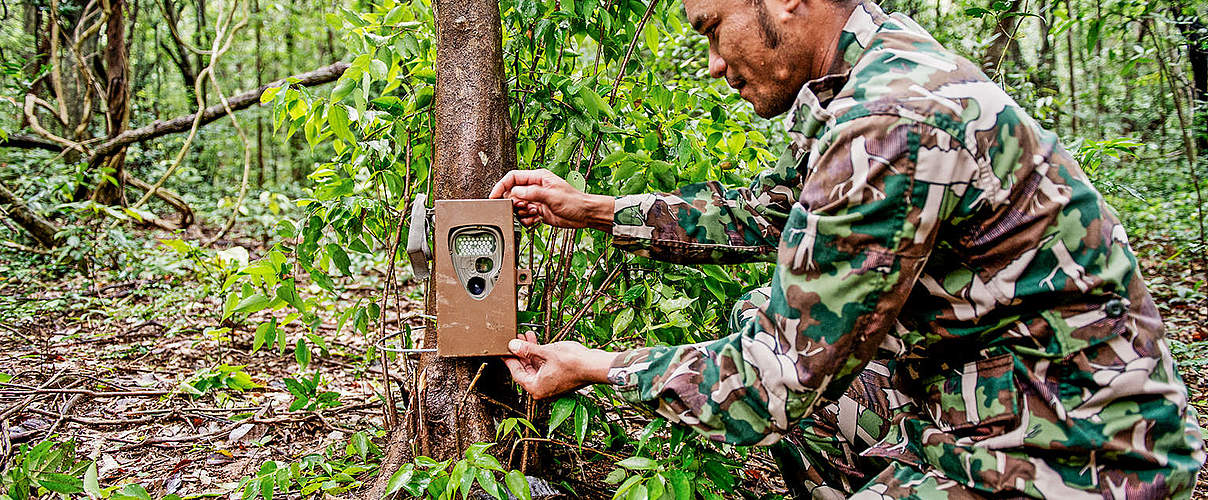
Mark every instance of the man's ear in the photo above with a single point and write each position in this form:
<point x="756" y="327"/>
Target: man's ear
<point x="790" y="8"/>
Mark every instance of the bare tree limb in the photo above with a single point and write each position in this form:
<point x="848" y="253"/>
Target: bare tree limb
<point x="41" y="229"/>
<point x="242" y="101"/>
<point x="22" y="141"/>
<point x="326" y="74"/>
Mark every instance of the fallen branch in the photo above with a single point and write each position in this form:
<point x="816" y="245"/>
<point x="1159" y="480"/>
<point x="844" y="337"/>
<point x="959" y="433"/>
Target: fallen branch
<point x="23" y="141"/>
<point x="242" y="101"/>
<point x="41" y="229"/>
<point x="319" y="76"/>
<point x="86" y="392"/>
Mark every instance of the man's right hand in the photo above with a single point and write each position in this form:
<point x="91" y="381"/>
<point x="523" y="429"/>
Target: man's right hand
<point x="542" y="196"/>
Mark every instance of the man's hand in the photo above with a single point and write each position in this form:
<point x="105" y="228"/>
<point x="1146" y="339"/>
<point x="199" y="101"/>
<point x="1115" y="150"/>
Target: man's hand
<point x="552" y="369"/>
<point x="539" y="195"/>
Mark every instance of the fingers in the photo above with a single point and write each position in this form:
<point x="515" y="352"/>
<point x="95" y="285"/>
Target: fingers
<point x="520" y="178"/>
<point x="522" y="374"/>
<point x="521" y="348"/>
<point x="530" y="336"/>
<point x="503" y="185"/>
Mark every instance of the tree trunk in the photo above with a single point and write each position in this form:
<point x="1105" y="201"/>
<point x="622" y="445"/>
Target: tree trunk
<point x="1069" y="54"/>
<point x="472" y="125"/>
<point x="991" y="62"/>
<point x="259" y="81"/>
<point x="117" y="104"/>
<point x="1196" y="35"/>
<point x="471" y="121"/>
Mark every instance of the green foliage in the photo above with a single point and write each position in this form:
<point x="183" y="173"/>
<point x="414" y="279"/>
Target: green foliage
<point x="49" y="468"/>
<point x="308" y="396"/>
<point x="427" y="478"/>
<point x="220" y="378"/>
<point x="333" y="472"/>
<point x="674" y="465"/>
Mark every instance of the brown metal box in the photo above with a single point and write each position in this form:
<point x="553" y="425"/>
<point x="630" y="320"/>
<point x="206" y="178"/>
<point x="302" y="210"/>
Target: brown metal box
<point x="475" y="309"/>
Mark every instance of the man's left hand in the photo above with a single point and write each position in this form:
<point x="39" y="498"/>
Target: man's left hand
<point x="552" y="369"/>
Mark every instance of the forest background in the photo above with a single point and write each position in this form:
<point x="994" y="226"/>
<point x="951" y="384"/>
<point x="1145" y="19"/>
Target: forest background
<point x="202" y="290"/>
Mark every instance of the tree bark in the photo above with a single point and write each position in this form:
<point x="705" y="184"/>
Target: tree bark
<point x="1069" y="53"/>
<point x="1003" y="30"/>
<point x="117" y="104"/>
<point x="472" y="125"/>
<point x="1196" y="36"/>
<point x="42" y="230"/>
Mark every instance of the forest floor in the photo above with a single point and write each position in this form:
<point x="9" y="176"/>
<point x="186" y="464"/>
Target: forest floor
<point x="106" y="364"/>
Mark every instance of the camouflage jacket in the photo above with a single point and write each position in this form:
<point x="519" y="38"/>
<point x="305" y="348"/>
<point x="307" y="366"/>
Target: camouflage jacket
<point x="921" y="216"/>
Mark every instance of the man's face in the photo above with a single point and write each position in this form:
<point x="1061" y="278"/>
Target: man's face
<point x="750" y="48"/>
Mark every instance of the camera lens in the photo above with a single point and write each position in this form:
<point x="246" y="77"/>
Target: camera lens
<point x="484" y="265"/>
<point x="476" y="285"/>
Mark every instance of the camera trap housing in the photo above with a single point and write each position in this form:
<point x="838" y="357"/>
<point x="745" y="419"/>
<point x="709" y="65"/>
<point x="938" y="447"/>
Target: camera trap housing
<point x="475" y="275"/>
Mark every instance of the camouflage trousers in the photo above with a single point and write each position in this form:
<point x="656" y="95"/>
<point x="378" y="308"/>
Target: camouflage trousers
<point x="821" y="458"/>
<point x="831" y="453"/>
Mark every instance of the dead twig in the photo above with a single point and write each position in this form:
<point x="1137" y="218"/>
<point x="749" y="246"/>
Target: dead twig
<point x="63" y="413"/>
<point x="587" y="305"/>
<point x="30" y="399"/>
<point x="85" y="392"/>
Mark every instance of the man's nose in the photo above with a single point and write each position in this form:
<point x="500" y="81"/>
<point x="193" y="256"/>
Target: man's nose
<point x="717" y="65"/>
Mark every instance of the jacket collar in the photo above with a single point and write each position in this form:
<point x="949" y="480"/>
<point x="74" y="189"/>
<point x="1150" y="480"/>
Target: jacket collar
<point x="808" y="112"/>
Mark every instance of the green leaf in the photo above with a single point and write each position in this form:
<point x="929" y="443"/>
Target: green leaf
<point x="391" y="104"/>
<point x="627" y="485"/>
<point x="340" y="258"/>
<point x="488" y="462"/>
<point x="576" y="180"/>
<point x="423" y="96"/>
<point x="656" y="486"/>
<point x="377" y="69"/>
<point x="253" y="303"/>
<point x="270" y="93"/>
<point x="638" y="463"/>
<point x="649" y="431"/>
<point x="132" y="492"/>
<point x="560" y="412"/>
<point x="613" y="157"/>
<point x="60" y="483"/>
<point x="595" y="104"/>
<point x="1092" y="34"/>
<point x="680" y="485"/>
<point x="622" y="321"/>
<point x="302" y="353"/>
<point x="400" y="479"/>
<point x="286" y="291"/>
<point x="358" y="445"/>
<point x="616" y="476"/>
<point x="337" y="117"/>
<point x="489" y="484"/>
<point x="580" y="423"/>
<point x="342" y="89"/>
<point x="91" y="485"/>
<point x="395" y="15"/>
<point x="518" y="485"/>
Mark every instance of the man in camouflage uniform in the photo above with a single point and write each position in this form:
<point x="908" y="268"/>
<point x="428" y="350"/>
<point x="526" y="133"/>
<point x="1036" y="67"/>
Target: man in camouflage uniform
<point x="955" y="310"/>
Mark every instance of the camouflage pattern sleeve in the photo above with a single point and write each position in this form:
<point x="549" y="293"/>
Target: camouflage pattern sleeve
<point x="706" y="223"/>
<point x="851" y="249"/>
